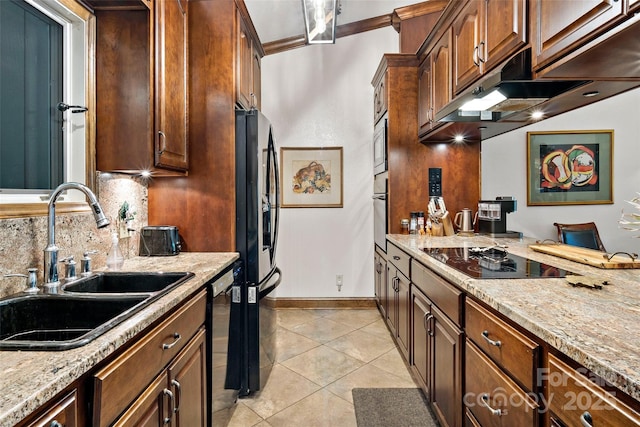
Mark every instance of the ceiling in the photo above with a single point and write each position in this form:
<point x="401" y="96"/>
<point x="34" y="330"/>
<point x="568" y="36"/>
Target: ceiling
<point x="281" y="19"/>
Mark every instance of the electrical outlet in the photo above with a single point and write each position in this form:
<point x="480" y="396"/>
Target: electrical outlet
<point x="339" y="282"/>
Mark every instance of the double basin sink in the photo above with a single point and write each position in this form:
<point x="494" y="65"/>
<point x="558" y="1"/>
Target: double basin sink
<point x="81" y="311"/>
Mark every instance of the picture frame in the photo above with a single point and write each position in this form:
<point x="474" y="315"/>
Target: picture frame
<point x="311" y="177"/>
<point x="570" y="168"/>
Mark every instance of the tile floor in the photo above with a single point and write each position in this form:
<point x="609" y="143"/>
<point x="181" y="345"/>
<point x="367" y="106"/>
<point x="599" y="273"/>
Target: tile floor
<point x="321" y="355"/>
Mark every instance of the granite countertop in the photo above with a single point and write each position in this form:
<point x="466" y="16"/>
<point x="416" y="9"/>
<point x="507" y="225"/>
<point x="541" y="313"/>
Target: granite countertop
<point x="596" y="328"/>
<point x="29" y="379"/>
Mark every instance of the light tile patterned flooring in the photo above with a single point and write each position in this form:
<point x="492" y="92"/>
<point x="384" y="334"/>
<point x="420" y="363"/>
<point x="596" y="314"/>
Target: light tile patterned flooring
<point x="321" y="355"/>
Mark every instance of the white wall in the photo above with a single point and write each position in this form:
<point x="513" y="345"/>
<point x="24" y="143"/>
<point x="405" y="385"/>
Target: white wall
<point x="504" y="160"/>
<point x="321" y="96"/>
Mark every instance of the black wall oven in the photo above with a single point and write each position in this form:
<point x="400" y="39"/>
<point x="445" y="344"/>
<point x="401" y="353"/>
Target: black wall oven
<point x="380" y="211"/>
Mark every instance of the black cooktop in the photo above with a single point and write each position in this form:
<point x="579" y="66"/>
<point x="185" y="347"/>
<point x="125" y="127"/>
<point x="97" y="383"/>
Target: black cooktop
<point x="493" y="263"/>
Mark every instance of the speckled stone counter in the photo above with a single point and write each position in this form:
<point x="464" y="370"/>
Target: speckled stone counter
<point x="29" y="379"/>
<point x="596" y="328"/>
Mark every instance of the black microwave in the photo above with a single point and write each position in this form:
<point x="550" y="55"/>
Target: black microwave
<point x="380" y="146"/>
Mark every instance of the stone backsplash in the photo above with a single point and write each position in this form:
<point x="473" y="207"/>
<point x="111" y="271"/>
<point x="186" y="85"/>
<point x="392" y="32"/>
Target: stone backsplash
<point x="22" y="240"/>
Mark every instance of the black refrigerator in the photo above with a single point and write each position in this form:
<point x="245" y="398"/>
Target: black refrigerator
<point x="252" y="340"/>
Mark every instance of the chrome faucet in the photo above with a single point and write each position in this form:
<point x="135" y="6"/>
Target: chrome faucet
<point x="51" y="251"/>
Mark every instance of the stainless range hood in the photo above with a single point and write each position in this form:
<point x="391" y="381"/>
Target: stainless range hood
<point x="501" y="93"/>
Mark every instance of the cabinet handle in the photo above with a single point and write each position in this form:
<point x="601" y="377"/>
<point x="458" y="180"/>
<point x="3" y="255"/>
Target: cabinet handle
<point x="476" y="57"/>
<point x="180" y="6"/>
<point x="396" y="257"/>
<point x="55" y="423"/>
<point x="485" y="399"/>
<point x="164" y="142"/>
<point x="431" y="115"/>
<point x="586" y="419"/>
<point x="172" y="402"/>
<point x="176" y="338"/>
<point x="485" y="335"/>
<point x="481" y="59"/>
<point x="176" y="384"/>
<point x="427" y="318"/>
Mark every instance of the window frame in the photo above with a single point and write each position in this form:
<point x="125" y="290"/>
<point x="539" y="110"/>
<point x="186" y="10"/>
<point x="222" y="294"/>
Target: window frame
<point x="35" y="204"/>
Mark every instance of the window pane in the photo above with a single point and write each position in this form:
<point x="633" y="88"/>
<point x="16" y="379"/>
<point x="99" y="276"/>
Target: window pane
<point x="30" y="87"/>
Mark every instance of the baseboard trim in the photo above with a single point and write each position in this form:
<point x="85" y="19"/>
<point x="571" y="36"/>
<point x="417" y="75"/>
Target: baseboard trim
<point x="324" y="303"/>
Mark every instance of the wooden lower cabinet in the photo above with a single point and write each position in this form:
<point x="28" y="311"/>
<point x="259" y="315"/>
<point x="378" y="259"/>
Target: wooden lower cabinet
<point x="177" y="397"/>
<point x="436" y="358"/>
<point x="446" y="383"/>
<point x="60" y="413"/>
<point x="398" y="308"/>
<point x="380" y="280"/>
<point x="492" y="397"/>
<point x="120" y="384"/>
<point x="421" y="338"/>
<point x="577" y="401"/>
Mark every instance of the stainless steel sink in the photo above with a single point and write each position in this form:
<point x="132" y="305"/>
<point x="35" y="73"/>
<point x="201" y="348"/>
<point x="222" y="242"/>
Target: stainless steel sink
<point x="61" y="322"/>
<point x="126" y="283"/>
<point x="83" y="310"/>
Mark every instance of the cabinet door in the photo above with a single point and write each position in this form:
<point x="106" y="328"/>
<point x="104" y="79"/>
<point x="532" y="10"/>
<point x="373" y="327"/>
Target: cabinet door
<point x="152" y="408"/>
<point x="392" y="298"/>
<point x="380" y="99"/>
<point x="256" y="78"/>
<point x="404" y="311"/>
<point x="468" y="51"/>
<point x="441" y="72"/>
<point x="446" y="384"/>
<point x="559" y="26"/>
<point x="244" y="63"/>
<point x="63" y="413"/>
<point x="171" y="97"/>
<point x="504" y="29"/>
<point x="420" y="338"/>
<point x="187" y="380"/>
<point x="380" y="275"/>
<point x="425" y="97"/>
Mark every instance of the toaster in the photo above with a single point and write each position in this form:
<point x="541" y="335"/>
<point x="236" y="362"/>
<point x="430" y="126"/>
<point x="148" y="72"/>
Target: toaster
<point x="159" y="240"/>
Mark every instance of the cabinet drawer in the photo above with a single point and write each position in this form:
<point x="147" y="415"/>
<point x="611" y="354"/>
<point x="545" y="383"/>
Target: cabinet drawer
<point x="573" y="397"/>
<point x="63" y="412"/>
<point x="492" y="397"/>
<point x="508" y="348"/>
<point x="120" y="382"/>
<point x="398" y="258"/>
<point x="447" y="297"/>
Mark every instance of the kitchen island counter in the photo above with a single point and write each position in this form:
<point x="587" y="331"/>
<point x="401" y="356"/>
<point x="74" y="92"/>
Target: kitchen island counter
<point x="598" y="328"/>
<point x="29" y="379"/>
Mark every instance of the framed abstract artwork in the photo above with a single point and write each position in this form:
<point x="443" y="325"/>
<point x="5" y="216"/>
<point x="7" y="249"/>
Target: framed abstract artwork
<point x="570" y="168"/>
<point x="311" y="177"/>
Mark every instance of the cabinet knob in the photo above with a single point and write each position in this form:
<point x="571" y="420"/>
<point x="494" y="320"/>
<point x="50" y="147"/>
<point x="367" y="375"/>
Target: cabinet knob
<point x="55" y="423"/>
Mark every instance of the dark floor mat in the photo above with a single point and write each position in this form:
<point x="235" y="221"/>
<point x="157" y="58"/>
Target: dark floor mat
<point x="392" y="407"/>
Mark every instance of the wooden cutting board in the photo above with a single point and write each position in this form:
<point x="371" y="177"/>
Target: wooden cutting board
<point x="587" y="256"/>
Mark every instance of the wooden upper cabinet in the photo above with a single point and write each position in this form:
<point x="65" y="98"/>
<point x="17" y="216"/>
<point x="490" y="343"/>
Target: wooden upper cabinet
<point x="380" y="98"/>
<point x="468" y="52"/>
<point x="248" y="67"/>
<point x="142" y="88"/>
<point x="557" y="27"/>
<point x="441" y="72"/>
<point x="485" y="33"/>
<point x="434" y="84"/>
<point x="425" y="97"/>
<point x="171" y="85"/>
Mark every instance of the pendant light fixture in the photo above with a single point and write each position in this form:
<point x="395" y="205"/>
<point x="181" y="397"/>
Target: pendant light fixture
<point x="320" y="21"/>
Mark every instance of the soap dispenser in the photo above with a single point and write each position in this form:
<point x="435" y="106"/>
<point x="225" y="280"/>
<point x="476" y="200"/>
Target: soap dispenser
<point x="114" y="257"/>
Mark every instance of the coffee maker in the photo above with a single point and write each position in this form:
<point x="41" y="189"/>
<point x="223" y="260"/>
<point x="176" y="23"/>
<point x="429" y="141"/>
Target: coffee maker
<point x="492" y="216"/>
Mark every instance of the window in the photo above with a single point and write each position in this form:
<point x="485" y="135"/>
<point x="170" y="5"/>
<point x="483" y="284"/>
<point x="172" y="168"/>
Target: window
<point x="43" y="57"/>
